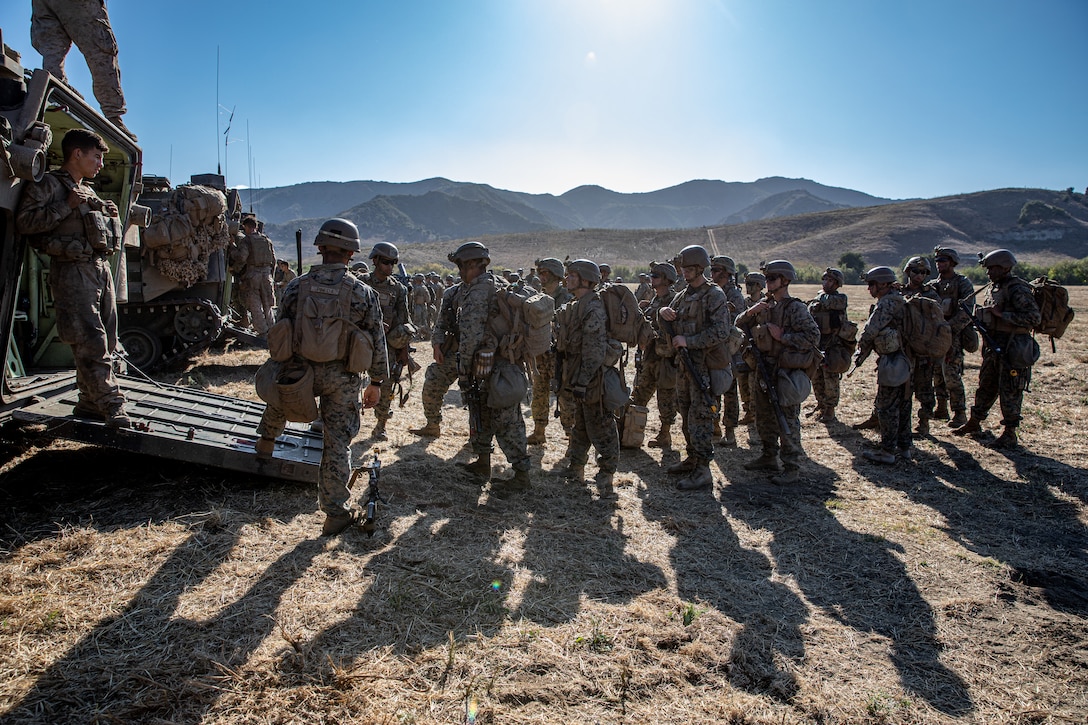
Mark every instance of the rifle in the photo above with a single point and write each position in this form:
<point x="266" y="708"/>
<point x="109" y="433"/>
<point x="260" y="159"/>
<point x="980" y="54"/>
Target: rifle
<point x="471" y="397"/>
<point x="397" y="371"/>
<point x="977" y="324"/>
<point x="373" y="497"/>
<point x="685" y="356"/>
<point x="767" y="384"/>
<point x="298" y="250"/>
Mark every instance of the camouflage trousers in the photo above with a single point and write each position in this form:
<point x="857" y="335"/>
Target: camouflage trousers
<point x="86" y="307"/>
<point x="771" y="438"/>
<point x="258" y="297"/>
<point x="421" y="317"/>
<point x="594" y="425"/>
<point x="542" y="388"/>
<point x="731" y="405"/>
<point x="338" y="393"/>
<point x="997" y="382"/>
<point x="698" y="418"/>
<point x="948" y="380"/>
<point x="825" y="387"/>
<point x="56" y="24"/>
<point x="648" y="381"/>
<point x="436" y="383"/>
<point x="744" y="386"/>
<point x="922" y="384"/>
<point x="507" y="426"/>
<point x="893" y="403"/>
<point x="383" y="411"/>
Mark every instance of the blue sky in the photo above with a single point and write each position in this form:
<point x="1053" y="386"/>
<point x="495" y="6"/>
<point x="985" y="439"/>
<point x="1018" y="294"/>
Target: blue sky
<point x="897" y="98"/>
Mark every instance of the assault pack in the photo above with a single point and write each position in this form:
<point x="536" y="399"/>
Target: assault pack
<point x="1053" y="301"/>
<point x="625" y="320"/>
<point x="526" y="317"/>
<point x="191" y="225"/>
<point x="925" y="331"/>
<point x="322" y="330"/>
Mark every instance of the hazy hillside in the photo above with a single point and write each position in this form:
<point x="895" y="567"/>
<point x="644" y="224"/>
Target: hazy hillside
<point x="434" y="209"/>
<point x="1055" y="228"/>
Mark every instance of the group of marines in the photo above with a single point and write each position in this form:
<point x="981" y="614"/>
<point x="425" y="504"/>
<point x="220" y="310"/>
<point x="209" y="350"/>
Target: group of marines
<point x="714" y="352"/>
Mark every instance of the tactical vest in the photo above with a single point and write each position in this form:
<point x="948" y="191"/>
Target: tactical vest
<point x="261" y="253"/>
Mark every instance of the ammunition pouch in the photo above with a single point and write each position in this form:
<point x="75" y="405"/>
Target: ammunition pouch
<point x="103" y="232"/>
<point x="790" y="358"/>
<point x="886" y="341"/>
<point x="762" y="338"/>
<point x="483" y="364"/>
<point x="360" y="352"/>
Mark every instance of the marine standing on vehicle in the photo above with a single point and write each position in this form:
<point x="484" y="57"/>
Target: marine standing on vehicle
<point x="328" y="288"/>
<point x="63" y="217"/>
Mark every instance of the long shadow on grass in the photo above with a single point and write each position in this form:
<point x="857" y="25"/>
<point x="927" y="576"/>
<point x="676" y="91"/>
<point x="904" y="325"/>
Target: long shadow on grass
<point x="713" y="567"/>
<point x="1040" y="537"/>
<point x="147" y="664"/>
<point x="854" y="578"/>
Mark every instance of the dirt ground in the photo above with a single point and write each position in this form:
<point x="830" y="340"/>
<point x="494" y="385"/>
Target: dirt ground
<point x="953" y="589"/>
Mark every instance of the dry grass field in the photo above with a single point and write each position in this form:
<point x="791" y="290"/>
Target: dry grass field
<point x="953" y="589"/>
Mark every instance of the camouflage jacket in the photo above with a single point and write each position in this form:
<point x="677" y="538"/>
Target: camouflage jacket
<point x="43" y="210"/>
<point x="365" y="312"/>
<point x="393" y="297"/>
<point x="951" y="292"/>
<point x="444" y="333"/>
<point x="582" y="340"/>
<point x="887" y="313"/>
<point x="1019" y="312"/>
<point x="475" y="309"/>
<point x="735" y="298"/>
<point x="661" y="346"/>
<point x="799" y="330"/>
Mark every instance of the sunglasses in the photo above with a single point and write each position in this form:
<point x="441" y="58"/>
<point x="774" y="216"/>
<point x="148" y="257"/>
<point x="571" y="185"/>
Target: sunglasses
<point x="385" y="260"/>
<point x="773" y="277"/>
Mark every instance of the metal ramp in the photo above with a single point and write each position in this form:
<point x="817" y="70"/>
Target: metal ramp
<point x="181" y="424"/>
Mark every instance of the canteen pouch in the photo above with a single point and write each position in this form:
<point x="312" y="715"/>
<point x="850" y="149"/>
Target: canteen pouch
<point x="1022" y="351"/>
<point x="280" y="340"/>
<point x="360" y="351"/>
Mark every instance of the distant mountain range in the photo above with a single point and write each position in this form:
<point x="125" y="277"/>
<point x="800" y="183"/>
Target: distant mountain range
<point x="797" y="219"/>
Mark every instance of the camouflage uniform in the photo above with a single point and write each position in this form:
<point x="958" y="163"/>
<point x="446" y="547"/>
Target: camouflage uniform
<point x="337" y="389"/>
<point x="582" y="339"/>
<point x="56" y="24"/>
<point x="254" y="257"/>
<point x="745" y="376"/>
<point x="997" y="381"/>
<point x="702" y="317"/>
<point x="657" y="371"/>
<point x="545" y="373"/>
<point x="923" y="371"/>
<point x="421" y="295"/>
<point x="280" y="279"/>
<point x="948" y="375"/>
<point x="476" y="310"/>
<point x="81" y="286"/>
<point x="393" y="297"/>
<point x="731" y="399"/>
<point x="440" y="376"/>
<point x="893" y="402"/>
<point x="829" y="310"/>
<point x="644" y="291"/>
<point x="799" y="331"/>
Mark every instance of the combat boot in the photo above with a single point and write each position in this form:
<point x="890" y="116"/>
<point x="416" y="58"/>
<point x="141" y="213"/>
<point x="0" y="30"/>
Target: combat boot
<point x="603" y="480"/>
<point x="480" y="467"/>
<point x="717" y="428"/>
<point x="264" y="447"/>
<point x="335" y="524"/>
<point x="685" y="466"/>
<point x="728" y="439"/>
<point x="379" y="434"/>
<point x="972" y="426"/>
<point x="1006" y="441"/>
<point x="537" y="436"/>
<point x="827" y="415"/>
<point x="571" y="472"/>
<point x="871" y="423"/>
<point x="431" y="430"/>
<point x="663" y="439"/>
<point x="885" y="458"/>
<point x="699" y="478"/>
<point x="958" y="419"/>
<point x="766" y="462"/>
<point x="504" y="487"/>
<point x="116" y="417"/>
<point x="923" y="426"/>
<point x="790" y="475"/>
<point x="815" y="412"/>
<point x="116" y="121"/>
<point x="942" y="411"/>
<point x="88" y="411"/>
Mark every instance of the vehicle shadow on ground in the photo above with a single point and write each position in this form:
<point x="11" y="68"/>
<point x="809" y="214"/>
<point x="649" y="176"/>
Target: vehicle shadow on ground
<point x="855" y="579"/>
<point x="147" y="663"/>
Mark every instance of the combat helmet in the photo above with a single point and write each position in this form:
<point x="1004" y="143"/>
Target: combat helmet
<point x="551" y="264"/>
<point x="339" y="233"/>
<point x="694" y="256"/>
<point x="997" y="258"/>
<point x="469" y="251"/>
<point x="880" y="274"/>
<point x="948" y="253"/>
<point x="586" y="269"/>
<point x="384" y="249"/>
<point x="917" y="263"/>
<point x="835" y="274"/>
<point x="725" y="263"/>
<point x="779" y="266"/>
<point x="664" y="269"/>
<point x="755" y="278"/>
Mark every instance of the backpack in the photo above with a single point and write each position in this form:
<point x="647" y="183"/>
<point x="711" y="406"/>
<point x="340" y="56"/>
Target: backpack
<point x="321" y="330"/>
<point x="1053" y="301"/>
<point x="625" y="320"/>
<point x="925" y="331"/>
<point x="190" y="225"/>
<point x="527" y="316"/>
